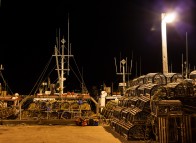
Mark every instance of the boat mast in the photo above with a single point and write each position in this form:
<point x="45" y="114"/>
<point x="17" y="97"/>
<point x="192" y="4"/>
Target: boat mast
<point x="63" y="60"/>
<point x="57" y="62"/>
<point x="60" y="53"/>
<point x="62" y="67"/>
<point x="123" y="73"/>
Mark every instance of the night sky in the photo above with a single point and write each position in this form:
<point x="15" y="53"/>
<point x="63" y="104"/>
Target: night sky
<point x="99" y="31"/>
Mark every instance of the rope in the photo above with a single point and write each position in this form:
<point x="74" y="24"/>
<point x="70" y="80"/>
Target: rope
<point x="75" y="74"/>
<point x="40" y="79"/>
<point x="80" y="73"/>
<point x="6" y="85"/>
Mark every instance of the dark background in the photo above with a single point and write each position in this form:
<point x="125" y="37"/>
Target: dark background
<point x="99" y="31"/>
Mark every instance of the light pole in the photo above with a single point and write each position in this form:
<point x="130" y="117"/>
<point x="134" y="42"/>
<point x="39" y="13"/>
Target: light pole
<point x="165" y="18"/>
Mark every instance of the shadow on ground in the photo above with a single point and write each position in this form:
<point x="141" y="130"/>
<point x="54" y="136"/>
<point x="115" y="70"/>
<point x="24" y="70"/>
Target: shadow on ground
<point x="121" y="138"/>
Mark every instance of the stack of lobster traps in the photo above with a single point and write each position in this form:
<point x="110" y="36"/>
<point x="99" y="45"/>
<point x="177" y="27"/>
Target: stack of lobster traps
<point x="52" y="108"/>
<point x="47" y="109"/>
<point x="9" y="106"/>
<point x="156" y="107"/>
<point x="108" y="110"/>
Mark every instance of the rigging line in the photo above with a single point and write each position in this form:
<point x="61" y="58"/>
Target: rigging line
<point x="6" y="85"/>
<point x="78" y="77"/>
<point x="50" y="72"/>
<point x="38" y="82"/>
<point x="55" y="80"/>
<point x="40" y="79"/>
<point x="43" y="73"/>
<point x="9" y="89"/>
<point x="2" y="77"/>
<point x="75" y="74"/>
<point x="79" y="72"/>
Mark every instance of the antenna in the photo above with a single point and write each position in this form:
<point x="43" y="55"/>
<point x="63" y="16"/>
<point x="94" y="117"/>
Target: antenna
<point x="82" y="82"/>
<point x="59" y="40"/>
<point x="189" y="70"/>
<point x="70" y="49"/>
<point x="140" y="66"/>
<point x="126" y="64"/>
<point x="120" y="62"/>
<point x="182" y="66"/>
<point x="115" y="63"/>
<point x="136" y="68"/>
<point x="131" y="61"/>
<point x="68" y="44"/>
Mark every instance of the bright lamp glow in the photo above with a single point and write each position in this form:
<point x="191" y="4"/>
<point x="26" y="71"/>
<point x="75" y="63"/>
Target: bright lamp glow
<point x="165" y="18"/>
<point x="169" y="17"/>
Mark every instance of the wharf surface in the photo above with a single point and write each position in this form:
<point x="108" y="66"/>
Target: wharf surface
<point x="23" y="133"/>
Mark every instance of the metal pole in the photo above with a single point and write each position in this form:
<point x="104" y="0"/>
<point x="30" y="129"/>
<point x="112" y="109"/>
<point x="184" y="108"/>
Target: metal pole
<point x="123" y="63"/>
<point x="187" y="64"/>
<point x="164" y="44"/>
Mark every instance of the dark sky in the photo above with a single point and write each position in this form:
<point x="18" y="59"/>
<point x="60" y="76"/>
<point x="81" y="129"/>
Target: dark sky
<point x="99" y="31"/>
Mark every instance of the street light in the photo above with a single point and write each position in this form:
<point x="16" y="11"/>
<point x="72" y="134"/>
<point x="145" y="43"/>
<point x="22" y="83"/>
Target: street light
<point x="165" y="18"/>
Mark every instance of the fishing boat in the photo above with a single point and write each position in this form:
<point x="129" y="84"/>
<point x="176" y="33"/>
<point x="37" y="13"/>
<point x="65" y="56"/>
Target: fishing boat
<point x="50" y="100"/>
<point x="9" y="102"/>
